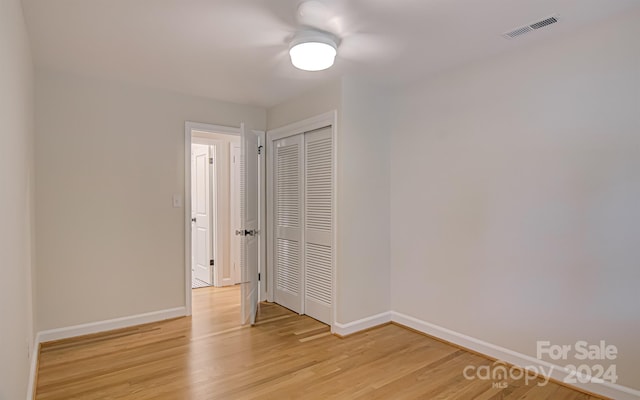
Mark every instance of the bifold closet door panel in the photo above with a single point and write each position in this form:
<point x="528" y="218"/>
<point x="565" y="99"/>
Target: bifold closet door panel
<point x="289" y="222"/>
<point x="318" y="217"/>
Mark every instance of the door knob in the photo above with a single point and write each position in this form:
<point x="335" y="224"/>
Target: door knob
<point x="193" y="219"/>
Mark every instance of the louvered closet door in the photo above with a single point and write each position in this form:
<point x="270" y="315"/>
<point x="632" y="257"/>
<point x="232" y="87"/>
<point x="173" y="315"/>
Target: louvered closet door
<point x="318" y="251"/>
<point x="289" y="220"/>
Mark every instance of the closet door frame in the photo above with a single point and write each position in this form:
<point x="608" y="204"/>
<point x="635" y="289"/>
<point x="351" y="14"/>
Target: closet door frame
<point x="296" y="128"/>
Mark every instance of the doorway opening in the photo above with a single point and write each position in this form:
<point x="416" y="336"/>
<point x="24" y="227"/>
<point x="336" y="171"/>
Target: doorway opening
<point x="302" y="220"/>
<point x="215" y="209"/>
<point x="224" y="214"/>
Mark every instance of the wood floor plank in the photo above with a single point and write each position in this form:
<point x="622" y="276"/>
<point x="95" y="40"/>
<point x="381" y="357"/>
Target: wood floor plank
<point x="285" y="356"/>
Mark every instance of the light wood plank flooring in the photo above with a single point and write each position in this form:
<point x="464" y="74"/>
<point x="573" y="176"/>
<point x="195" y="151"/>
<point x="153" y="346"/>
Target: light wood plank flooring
<point x="286" y="356"/>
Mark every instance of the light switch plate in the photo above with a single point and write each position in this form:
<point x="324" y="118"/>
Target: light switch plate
<point x="177" y="201"/>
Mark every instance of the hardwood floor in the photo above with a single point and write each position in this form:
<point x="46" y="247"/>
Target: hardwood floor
<point x="286" y="356"/>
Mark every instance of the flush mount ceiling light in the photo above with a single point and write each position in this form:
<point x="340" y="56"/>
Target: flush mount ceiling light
<point x="313" y="50"/>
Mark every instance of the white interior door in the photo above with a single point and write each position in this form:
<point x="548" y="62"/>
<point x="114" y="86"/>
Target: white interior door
<point x="318" y="235"/>
<point x="201" y="214"/>
<point x="289" y="220"/>
<point x="249" y="192"/>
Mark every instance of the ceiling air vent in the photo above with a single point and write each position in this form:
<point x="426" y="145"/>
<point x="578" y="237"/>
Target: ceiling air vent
<point x="531" y="27"/>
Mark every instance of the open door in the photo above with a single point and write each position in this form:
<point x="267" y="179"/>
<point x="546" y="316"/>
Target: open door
<point x="201" y="214"/>
<point x="249" y="249"/>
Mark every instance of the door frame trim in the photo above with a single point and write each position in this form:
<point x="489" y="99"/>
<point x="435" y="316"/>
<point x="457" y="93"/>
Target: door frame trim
<point x="319" y="121"/>
<point x="190" y="126"/>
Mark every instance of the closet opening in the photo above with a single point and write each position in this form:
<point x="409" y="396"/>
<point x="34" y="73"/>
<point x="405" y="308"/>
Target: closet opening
<point x="301" y="219"/>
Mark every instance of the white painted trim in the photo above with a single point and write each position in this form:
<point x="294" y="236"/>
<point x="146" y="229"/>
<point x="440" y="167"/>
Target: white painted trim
<point x="306" y="125"/>
<point x="270" y="215"/>
<point x="512" y="357"/>
<point x="262" y="215"/>
<point x="320" y="121"/>
<point x="187" y="216"/>
<point x="109" y="325"/>
<point x="211" y="128"/>
<point x="361" y="324"/>
<point x="33" y="369"/>
<point x="333" y="116"/>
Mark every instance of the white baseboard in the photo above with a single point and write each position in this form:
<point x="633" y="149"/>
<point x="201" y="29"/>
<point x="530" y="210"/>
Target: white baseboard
<point x="109" y="325"/>
<point x="93" y="327"/>
<point x="33" y="369"/>
<point x="361" y="324"/>
<point x="606" y="389"/>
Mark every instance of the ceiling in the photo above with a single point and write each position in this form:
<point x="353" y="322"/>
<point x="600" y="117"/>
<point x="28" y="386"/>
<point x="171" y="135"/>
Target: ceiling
<point x="237" y="50"/>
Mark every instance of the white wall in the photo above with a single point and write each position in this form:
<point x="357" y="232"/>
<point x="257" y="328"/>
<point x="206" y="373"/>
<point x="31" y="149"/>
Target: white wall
<point x="16" y="200"/>
<point x="363" y="202"/>
<point x="319" y="101"/>
<point x="515" y="193"/>
<point x="363" y="190"/>
<point x="110" y="157"/>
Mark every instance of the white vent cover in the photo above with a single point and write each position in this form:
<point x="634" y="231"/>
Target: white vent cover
<point x="531" y="27"/>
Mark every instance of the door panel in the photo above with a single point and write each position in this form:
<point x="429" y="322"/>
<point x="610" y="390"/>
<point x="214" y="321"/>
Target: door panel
<point x="236" y="223"/>
<point x="202" y="214"/>
<point x="318" y="248"/>
<point x="249" y="191"/>
<point x="288" y="190"/>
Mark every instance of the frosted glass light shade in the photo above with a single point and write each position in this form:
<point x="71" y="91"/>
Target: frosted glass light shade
<point x="313" y="52"/>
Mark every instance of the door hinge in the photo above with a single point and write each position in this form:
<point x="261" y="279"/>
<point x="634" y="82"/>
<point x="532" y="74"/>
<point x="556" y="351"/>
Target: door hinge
<point x="260" y="149"/>
<point x="211" y="160"/>
<point x="210" y="262"/>
<point x="258" y="275"/>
